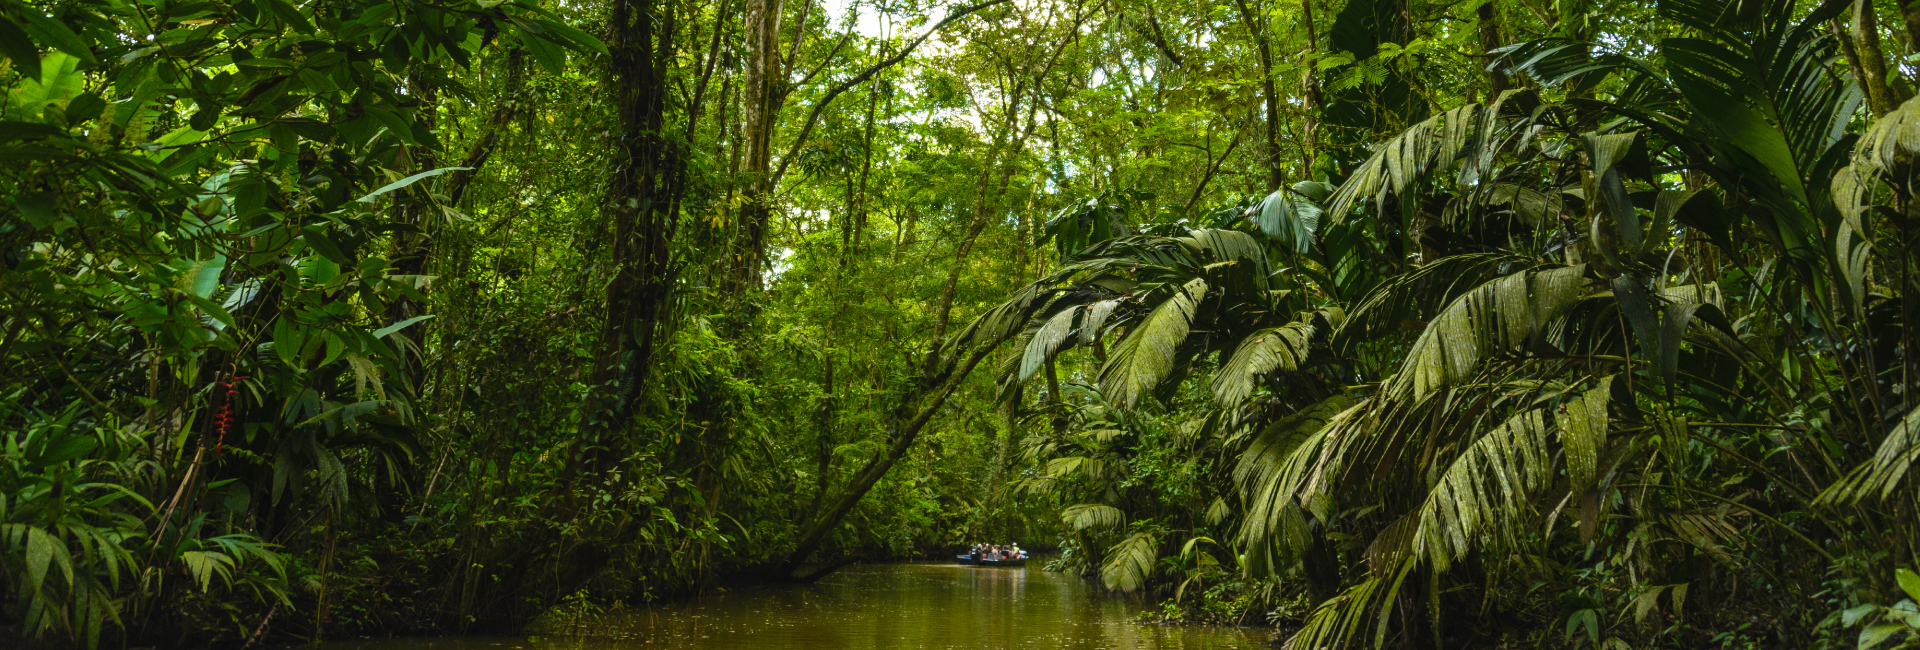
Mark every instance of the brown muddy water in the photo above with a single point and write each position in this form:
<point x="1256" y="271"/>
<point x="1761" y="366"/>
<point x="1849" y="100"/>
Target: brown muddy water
<point x="872" y="607"/>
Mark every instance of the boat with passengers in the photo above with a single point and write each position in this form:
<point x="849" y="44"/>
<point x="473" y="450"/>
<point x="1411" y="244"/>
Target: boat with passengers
<point x="1001" y="555"/>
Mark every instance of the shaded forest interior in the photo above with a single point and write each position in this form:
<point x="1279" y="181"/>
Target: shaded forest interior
<point x="1385" y="323"/>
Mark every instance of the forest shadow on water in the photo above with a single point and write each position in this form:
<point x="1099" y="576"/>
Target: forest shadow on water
<point x="869" y="607"/>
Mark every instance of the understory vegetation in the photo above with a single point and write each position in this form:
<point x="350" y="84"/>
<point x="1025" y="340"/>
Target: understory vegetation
<point x="1385" y="323"/>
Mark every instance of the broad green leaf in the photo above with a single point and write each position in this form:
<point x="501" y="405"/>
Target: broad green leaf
<point x="36" y="208"/>
<point x="335" y="347"/>
<point x="221" y="318"/>
<point x="405" y="182"/>
<point x="551" y="56"/>
<point x="59" y="81"/>
<point x="1909" y="582"/>
<point x="287" y="14"/>
<point x="203" y="276"/>
<point x="1645" y="603"/>
<point x="324" y="245"/>
<point x="66" y="448"/>
<point x="174" y="141"/>
<point x="1853" y="615"/>
<point x="578" y="39"/>
<point x="1875" y="635"/>
<point x="39" y="556"/>
<point x="288" y="339"/>
<point x="85" y="107"/>
<point x="384" y="331"/>
<point x="15" y="44"/>
<point x="50" y="32"/>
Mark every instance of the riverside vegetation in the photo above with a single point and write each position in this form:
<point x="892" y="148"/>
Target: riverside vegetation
<point x="1388" y="323"/>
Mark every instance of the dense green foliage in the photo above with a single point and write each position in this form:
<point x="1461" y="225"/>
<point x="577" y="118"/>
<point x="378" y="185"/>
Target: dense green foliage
<point x="1385" y="322"/>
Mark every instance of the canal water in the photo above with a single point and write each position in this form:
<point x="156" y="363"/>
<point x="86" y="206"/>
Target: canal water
<point x="874" y="607"/>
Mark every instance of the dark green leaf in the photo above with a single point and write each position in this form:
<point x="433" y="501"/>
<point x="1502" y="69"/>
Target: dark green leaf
<point x="50" y="32"/>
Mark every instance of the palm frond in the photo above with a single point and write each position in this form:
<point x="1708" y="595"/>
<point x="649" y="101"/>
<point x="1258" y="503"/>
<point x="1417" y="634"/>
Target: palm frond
<point x="1047" y="340"/>
<point x="1484" y="489"/>
<point x="1496" y="317"/>
<point x="1583" y="432"/>
<point x="1288" y="217"/>
<point x="1416" y="295"/>
<point x="1340" y="621"/>
<point x="1898" y="453"/>
<point x="1130" y="562"/>
<point x="1276" y="348"/>
<point x="1278" y="467"/>
<point x="1092" y="515"/>
<point x="1147" y="354"/>
<point x="1404" y="163"/>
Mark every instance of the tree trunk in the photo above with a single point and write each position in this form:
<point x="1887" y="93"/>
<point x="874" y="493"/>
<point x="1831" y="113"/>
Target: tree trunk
<point x="1872" y="59"/>
<point x="1003" y="451"/>
<point x="1310" y="82"/>
<point x="1257" y="30"/>
<point x="765" y="93"/>
<point x="496" y="124"/>
<point x="1910" y="18"/>
<point x="1497" y="81"/>
<point x="901" y="437"/>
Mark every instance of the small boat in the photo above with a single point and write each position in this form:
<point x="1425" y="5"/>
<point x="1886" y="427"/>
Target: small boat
<point x="967" y="559"/>
<point x="1012" y="561"/>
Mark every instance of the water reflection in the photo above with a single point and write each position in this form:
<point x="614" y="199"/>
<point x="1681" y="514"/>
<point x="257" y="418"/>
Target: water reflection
<point x="879" y="607"/>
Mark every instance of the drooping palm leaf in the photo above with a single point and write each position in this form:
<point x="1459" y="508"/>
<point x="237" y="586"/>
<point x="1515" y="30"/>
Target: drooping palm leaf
<point x="1495" y="318"/>
<point x="1277" y="348"/>
<point x="1130" y="562"/>
<point x="1899" y="451"/>
<point x="1092" y="515"/>
<point x="1275" y="468"/>
<point x="1288" y="217"/>
<point x="1147" y="354"/>
<point x="1046" y="342"/>
<point x="1484" y="490"/>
